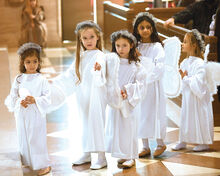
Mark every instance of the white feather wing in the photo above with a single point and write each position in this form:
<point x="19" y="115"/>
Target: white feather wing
<point x="212" y="76"/>
<point x="172" y="78"/>
<point x="113" y="89"/>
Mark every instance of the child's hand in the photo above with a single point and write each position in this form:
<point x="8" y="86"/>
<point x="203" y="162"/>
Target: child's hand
<point x="97" y="66"/>
<point x="30" y="100"/>
<point x="32" y="16"/>
<point x="138" y="53"/>
<point x="124" y="94"/>
<point x="183" y="73"/>
<point x="24" y="103"/>
<point x="169" y="22"/>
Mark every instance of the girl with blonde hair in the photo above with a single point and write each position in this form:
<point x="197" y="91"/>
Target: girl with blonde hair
<point x="196" y="126"/>
<point x="86" y="77"/>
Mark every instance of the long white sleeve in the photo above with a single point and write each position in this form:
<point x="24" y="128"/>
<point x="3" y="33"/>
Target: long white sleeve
<point x="100" y="75"/>
<point x="135" y="92"/>
<point x="66" y="81"/>
<point x="196" y="80"/>
<point x="44" y="100"/>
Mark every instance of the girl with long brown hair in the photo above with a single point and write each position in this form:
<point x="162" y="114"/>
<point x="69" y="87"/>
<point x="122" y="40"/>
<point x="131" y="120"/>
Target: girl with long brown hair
<point x="121" y="126"/>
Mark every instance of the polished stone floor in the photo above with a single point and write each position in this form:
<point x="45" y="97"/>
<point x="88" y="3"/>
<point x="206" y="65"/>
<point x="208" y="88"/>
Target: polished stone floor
<point x="64" y="136"/>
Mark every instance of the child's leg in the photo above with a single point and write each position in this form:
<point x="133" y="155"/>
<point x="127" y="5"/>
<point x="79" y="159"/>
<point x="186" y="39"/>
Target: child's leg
<point x="85" y="158"/>
<point x="146" y="150"/>
<point x="179" y="146"/>
<point x="100" y="163"/>
<point x="200" y="147"/>
<point x="160" y="142"/>
<point x="145" y="143"/>
<point x="161" y="147"/>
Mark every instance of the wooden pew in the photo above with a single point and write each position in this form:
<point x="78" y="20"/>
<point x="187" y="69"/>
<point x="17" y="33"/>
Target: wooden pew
<point x="117" y="17"/>
<point x="180" y="33"/>
<point x="164" y="13"/>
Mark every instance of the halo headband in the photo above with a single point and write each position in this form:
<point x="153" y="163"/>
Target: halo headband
<point x="85" y="24"/>
<point x="123" y="33"/>
<point x="199" y="39"/>
<point x="27" y="46"/>
<point x="144" y="14"/>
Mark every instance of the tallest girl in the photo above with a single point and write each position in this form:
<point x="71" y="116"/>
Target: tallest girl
<point x="152" y="121"/>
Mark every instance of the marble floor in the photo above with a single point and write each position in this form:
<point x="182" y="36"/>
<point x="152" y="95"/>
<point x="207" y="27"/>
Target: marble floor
<point x="64" y="136"/>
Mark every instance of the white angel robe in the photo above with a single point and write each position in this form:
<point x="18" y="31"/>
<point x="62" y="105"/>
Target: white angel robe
<point x="196" y="114"/>
<point x="90" y="97"/>
<point x="121" y="131"/>
<point x="152" y="120"/>
<point x="31" y="121"/>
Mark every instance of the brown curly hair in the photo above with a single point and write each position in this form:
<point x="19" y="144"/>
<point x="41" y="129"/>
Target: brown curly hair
<point x="28" y="53"/>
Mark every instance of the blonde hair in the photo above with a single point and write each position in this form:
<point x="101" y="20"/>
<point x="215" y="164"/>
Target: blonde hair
<point x="79" y="29"/>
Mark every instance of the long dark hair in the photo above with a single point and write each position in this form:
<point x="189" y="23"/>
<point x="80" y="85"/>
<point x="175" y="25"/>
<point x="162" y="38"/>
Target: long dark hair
<point x="144" y="16"/>
<point x="131" y="39"/>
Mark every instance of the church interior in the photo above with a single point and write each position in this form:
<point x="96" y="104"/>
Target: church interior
<point x="63" y="124"/>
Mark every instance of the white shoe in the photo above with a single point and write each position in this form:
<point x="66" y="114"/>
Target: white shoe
<point x="128" y="163"/>
<point x="99" y="164"/>
<point x="179" y="146"/>
<point x="200" y="147"/>
<point x="86" y="158"/>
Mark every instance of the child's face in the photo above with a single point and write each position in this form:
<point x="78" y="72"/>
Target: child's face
<point x="145" y="30"/>
<point x="89" y="39"/>
<point x="187" y="46"/>
<point x="123" y="47"/>
<point x="31" y="64"/>
<point x="33" y="3"/>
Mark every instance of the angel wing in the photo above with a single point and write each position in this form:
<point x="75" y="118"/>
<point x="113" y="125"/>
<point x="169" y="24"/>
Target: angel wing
<point x="212" y="76"/>
<point x="172" y="79"/>
<point x="113" y="89"/>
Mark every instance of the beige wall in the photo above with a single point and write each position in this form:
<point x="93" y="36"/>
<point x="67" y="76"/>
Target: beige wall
<point x="10" y="20"/>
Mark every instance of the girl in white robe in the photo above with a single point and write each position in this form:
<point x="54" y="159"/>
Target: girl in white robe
<point x="86" y="77"/>
<point x="152" y="120"/>
<point x="121" y="126"/>
<point x="196" y="124"/>
<point x="28" y="99"/>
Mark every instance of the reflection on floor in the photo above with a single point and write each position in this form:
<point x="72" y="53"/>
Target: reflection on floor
<point x="64" y="137"/>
